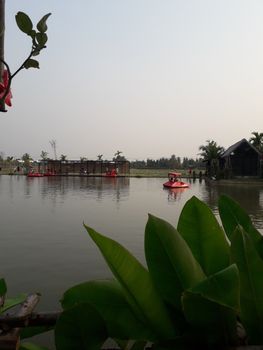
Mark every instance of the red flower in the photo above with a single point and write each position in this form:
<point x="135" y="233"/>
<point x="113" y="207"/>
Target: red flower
<point x="3" y="87"/>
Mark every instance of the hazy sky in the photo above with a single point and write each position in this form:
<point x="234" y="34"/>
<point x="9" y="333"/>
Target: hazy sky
<point x="148" y="77"/>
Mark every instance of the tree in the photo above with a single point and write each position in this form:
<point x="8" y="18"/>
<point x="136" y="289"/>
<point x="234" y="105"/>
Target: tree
<point x="63" y="157"/>
<point x="257" y="140"/>
<point x="118" y="157"/>
<point x="100" y="156"/>
<point x="9" y="159"/>
<point x="211" y="153"/>
<point x="26" y="159"/>
<point x="44" y="155"/>
<point x="53" y="144"/>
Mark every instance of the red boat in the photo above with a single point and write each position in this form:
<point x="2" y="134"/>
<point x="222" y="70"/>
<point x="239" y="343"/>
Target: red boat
<point x="175" y="181"/>
<point x="35" y="175"/>
<point x="111" y="173"/>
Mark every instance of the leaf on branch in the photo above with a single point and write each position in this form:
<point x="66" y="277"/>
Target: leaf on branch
<point x="33" y="33"/>
<point x="41" y="39"/>
<point x="31" y="64"/>
<point x="24" y="23"/>
<point x="42" y="26"/>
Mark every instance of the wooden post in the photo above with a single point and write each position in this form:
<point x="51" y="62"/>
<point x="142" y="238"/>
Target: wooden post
<point x="10" y="339"/>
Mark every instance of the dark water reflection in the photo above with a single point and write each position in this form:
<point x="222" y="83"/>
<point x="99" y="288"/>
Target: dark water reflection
<point x="44" y="246"/>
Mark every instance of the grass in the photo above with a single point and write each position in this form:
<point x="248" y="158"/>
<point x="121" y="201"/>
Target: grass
<point x="158" y="172"/>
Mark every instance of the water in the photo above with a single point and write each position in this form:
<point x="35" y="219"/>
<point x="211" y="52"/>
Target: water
<point x="44" y="246"/>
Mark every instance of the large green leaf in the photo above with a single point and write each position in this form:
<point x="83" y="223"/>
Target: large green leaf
<point x="216" y="323"/>
<point x="232" y="215"/>
<point x="31" y="346"/>
<point x="250" y="267"/>
<point x="28" y="332"/>
<point x="170" y="261"/>
<point x="107" y="297"/>
<point x="206" y="239"/>
<point x="215" y="286"/>
<point x="80" y="327"/>
<point x="137" y="285"/>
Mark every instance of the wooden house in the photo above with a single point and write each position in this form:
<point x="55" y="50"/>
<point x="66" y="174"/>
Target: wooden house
<point x="241" y="159"/>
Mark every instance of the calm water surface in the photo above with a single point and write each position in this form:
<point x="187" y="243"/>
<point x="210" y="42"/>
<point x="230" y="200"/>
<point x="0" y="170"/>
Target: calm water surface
<point x="44" y="246"/>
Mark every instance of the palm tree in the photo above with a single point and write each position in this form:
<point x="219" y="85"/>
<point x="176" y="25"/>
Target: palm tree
<point x="118" y="157"/>
<point x="211" y="153"/>
<point x="63" y="157"/>
<point x="257" y="140"/>
<point x="117" y="154"/>
<point x="44" y="155"/>
<point x="100" y="156"/>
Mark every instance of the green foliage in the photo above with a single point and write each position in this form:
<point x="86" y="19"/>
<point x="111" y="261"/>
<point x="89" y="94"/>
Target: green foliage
<point x="24" y="23"/>
<point x="250" y="266"/>
<point x="31" y="346"/>
<point x="137" y="285"/>
<point x="197" y="289"/>
<point x="42" y="25"/>
<point x="80" y="327"/>
<point x="232" y="215"/>
<point x="38" y="36"/>
<point x="107" y="298"/>
<point x="166" y="253"/>
<point x="200" y="229"/>
<point x="31" y="64"/>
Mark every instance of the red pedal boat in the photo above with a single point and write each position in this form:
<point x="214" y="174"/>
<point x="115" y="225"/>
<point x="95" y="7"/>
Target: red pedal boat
<point x="111" y="173"/>
<point x="35" y="175"/>
<point x="175" y="181"/>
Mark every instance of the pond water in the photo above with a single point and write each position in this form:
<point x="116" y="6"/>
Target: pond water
<point x="44" y="246"/>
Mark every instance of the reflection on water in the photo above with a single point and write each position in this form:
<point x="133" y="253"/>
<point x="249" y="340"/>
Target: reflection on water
<point x="249" y="196"/>
<point x="60" y="187"/>
<point x="175" y="194"/>
<point x="44" y="246"/>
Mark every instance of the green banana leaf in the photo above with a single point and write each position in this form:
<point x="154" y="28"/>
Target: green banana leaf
<point x="108" y="299"/>
<point x="80" y="327"/>
<point x="223" y="288"/>
<point x="28" y="332"/>
<point x="171" y="263"/>
<point x="31" y="346"/>
<point x="250" y="267"/>
<point x="203" y="234"/>
<point x="232" y="215"/>
<point x="137" y="285"/>
<point x="212" y="306"/>
<point x="216" y="324"/>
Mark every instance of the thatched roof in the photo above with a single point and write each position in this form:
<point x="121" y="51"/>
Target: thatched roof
<point x="236" y="145"/>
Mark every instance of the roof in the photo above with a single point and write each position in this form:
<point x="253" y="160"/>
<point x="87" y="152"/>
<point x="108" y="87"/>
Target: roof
<point x="232" y="148"/>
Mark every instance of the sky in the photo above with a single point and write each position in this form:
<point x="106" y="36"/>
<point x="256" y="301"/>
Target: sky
<point x="150" y="78"/>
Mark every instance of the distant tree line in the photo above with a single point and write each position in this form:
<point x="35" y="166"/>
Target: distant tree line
<point x="168" y="163"/>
